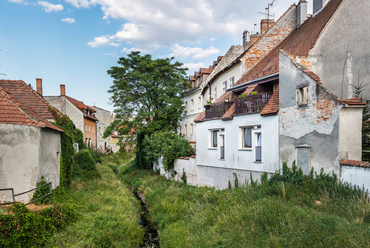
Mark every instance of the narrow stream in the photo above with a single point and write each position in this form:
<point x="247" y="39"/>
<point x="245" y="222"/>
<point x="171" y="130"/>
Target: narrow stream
<point x="150" y="239"/>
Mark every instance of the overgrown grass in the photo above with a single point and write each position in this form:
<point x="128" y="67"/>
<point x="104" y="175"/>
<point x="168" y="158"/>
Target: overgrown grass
<point x="278" y="214"/>
<point x="109" y="214"/>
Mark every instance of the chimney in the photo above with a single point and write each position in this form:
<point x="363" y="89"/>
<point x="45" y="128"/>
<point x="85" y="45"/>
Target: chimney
<point x="254" y="38"/>
<point x="301" y="12"/>
<point x="39" y="86"/>
<point x="246" y="40"/>
<point x="317" y="5"/>
<point x="266" y="24"/>
<point x="62" y="90"/>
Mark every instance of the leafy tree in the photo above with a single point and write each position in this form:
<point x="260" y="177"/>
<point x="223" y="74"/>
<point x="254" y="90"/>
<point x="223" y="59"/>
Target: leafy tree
<point x="149" y="90"/>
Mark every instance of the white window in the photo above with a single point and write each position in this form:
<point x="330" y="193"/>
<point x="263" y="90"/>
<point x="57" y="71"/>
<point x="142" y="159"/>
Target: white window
<point x="232" y="82"/>
<point x="247" y="137"/>
<point x="302" y="96"/>
<point x="185" y="130"/>
<point x="224" y="86"/>
<point x="222" y="146"/>
<point x="258" y="147"/>
<point x="191" y="129"/>
<point x="85" y="127"/>
<point x="214" y="137"/>
<point x="215" y="94"/>
<point x="89" y="128"/>
<point x="186" y="106"/>
<point x="192" y="104"/>
<point x="199" y="102"/>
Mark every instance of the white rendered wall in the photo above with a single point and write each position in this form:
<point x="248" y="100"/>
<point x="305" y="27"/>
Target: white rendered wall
<point x="356" y="176"/>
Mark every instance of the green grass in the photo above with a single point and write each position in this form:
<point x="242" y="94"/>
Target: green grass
<point x="109" y="214"/>
<point x="279" y="215"/>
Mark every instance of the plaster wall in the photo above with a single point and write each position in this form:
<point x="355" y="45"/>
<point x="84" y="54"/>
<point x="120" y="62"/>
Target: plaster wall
<point x="75" y="115"/>
<point x="19" y="160"/>
<point x="314" y="126"/>
<point x="216" y="172"/>
<point x="104" y="117"/>
<point x="356" y="176"/>
<point x="190" y="167"/>
<point x="49" y="161"/>
<point x="350" y="139"/>
<point x="342" y="52"/>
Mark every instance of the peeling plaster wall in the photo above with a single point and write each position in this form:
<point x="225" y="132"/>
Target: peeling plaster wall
<point x="315" y="126"/>
<point x="215" y="172"/>
<point x="342" y="52"/>
<point x="284" y="26"/>
<point x="19" y="159"/>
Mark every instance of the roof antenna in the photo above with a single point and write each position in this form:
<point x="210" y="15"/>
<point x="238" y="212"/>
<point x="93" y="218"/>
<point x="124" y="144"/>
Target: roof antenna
<point x="267" y="11"/>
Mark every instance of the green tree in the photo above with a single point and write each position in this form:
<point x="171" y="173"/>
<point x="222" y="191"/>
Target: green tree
<point x="149" y="90"/>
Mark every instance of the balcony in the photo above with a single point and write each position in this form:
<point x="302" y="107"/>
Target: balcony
<point x="253" y="104"/>
<point x="217" y="110"/>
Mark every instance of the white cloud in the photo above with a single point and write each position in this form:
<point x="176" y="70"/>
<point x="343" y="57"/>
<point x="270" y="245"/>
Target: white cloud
<point x="50" y="7"/>
<point x="110" y="54"/>
<point x="68" y="20"/>
<point x="194" y="52"/>
<point x="114" y="44"/>
<point x="99" y="41"/>
<point x="193" y="66"/>
<point x="16" y="1"/>
<point x="129" y="50"/>
<point x="82" y="3"/>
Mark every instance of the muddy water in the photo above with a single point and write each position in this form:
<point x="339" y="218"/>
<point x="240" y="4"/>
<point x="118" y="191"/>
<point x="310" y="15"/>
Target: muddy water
<point x="151" y="234"/>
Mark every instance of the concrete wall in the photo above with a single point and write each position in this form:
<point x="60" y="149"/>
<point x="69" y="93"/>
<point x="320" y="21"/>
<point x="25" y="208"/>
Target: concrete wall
<point x="27" y="153"/>
<point x="356" y="176"/>
<point x="314" y="127"/>
<point x="342" y="52"/>
<point x="50" y="152"/>
<point x="350" y="129"/>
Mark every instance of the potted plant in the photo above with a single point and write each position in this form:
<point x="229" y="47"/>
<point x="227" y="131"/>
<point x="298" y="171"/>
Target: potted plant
<point x="208" y="103"/>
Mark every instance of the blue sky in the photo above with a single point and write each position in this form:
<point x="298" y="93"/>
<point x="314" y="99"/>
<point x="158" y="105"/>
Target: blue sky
<point x="75" y="42"/>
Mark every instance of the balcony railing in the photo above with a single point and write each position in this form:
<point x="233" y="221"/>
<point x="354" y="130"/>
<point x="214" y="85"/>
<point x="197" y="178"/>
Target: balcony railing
<point x="253" y="103"/>
<point x="218" y="109"/>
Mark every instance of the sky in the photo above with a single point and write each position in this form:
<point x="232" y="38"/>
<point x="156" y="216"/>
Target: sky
<point x="75" y="42"/>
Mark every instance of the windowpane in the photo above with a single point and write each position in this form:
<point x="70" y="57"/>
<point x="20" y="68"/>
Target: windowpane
<point x="214" y="138"/>
<point x="247" y="137"/>
<point x="259" y="147"/>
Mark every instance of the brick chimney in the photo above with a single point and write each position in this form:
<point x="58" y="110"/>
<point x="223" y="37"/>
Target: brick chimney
<point x="246" y="40"/>
<point x="62" y="90"/>
<point x="39" y="86"/>
<point x="266" y="24"/>
<point x="317" y="5"/>
<point x="301" y="12"/>
<point x="254" y="38"/>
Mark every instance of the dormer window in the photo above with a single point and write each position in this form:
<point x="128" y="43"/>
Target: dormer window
<point x="302" y="96"/>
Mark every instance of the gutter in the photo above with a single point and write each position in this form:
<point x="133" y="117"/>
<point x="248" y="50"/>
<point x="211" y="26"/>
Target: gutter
<point x="261" y="80"/>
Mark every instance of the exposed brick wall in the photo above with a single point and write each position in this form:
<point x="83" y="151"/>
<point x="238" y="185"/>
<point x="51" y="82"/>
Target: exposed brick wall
<point x="266" y="24"/>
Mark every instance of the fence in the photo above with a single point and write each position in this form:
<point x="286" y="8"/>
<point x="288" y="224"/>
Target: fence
<point x="14" y="195"/>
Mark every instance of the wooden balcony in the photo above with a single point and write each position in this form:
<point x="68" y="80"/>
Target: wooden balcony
<point x="253" y="104"/>
<point x="217" y="110"/>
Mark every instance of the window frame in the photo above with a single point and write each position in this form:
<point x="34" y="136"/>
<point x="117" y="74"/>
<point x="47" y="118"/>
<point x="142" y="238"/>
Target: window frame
<point x="224" y="84"/>
<point x="302" y="96"/>
<point x="191" y="104"/>
<point x="232" y="81"/>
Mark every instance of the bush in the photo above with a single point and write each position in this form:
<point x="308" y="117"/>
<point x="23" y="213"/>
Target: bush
<point x="85" y="166"/>
<point x="41" y="192"/>
<point x="79" y="138"/>
<point x="26" y="228"/>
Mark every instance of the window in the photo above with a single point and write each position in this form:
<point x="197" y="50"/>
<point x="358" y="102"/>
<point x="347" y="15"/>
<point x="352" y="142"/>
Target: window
<point x="247" y="138"/>
<point x="215" y="93"/>
<point x="224" y="86"/>
<point x="180" y="130"/>
<point x="214" y="138"/>
<point x="191" y="129"/>
<point x="199" y="102"/>
<point x="89" y="128"/>
<point x="186" y="106"/>
<point x="304" y="158"/>
<point x="192" y="105"/>
<point x="222" y="146"/>
<point x="302" y="96"/>
<point x="93" y="129"/>
<point x="85" y="127"/>
<point x="185" y="130"/>
<point x="232" y="82"/>
<point x="258" y="147"/>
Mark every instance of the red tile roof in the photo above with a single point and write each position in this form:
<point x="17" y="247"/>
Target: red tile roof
<point x="16" y="112"/>
<point x="24" y="93"/>
<point x="352" y="101"/>
<point x="82" y="107"/>
<point x="299" y="42"/>
<point x="355" y="163"/>
<point x="206" y="70"/>
<point x="313" y="76"/>
<point x="272" y="106"/>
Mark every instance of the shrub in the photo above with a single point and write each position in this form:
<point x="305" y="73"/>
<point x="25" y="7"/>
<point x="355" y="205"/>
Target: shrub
<point x="85" y="166"/>
<point x="41" y="192"/>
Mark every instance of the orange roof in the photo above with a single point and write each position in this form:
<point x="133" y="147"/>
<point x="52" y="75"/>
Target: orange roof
<point x="299" y="42"/>
<point x="355" y="163"/>
<point x="352" y="101"/>
<point x="206" y="70"/>
<point x="16" y="112"/>
<point x="24" y="93"/>
<point x="272" y="106"/>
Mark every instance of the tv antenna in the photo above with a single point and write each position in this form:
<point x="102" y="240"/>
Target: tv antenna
<point x="267" y="11"/>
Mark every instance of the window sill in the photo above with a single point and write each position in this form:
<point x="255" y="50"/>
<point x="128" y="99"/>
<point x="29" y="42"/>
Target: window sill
<point x="258" y="162"/>
<point x="245" y="149"/>
<point x="212" y="148"/>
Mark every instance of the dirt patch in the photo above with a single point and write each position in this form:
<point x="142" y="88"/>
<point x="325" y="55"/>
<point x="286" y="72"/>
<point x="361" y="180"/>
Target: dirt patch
<point x="34" y="207"/>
